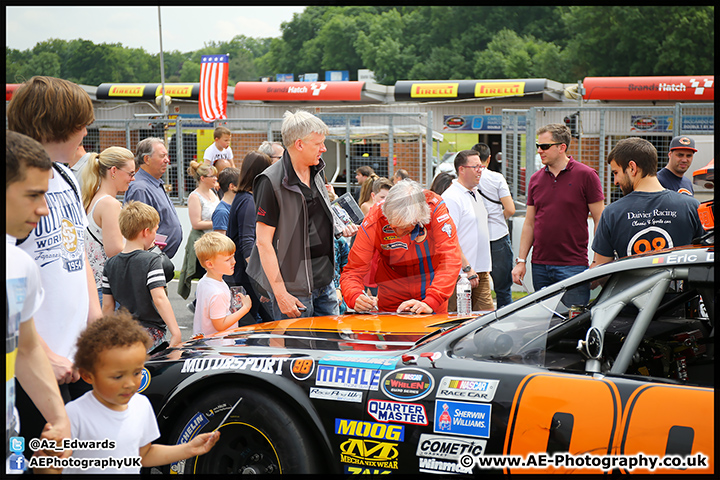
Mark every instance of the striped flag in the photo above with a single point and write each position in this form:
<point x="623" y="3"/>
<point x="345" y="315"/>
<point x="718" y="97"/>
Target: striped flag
<point x="213" y="87"/>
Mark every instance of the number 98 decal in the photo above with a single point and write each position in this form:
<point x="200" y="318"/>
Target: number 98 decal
<point x="302" y="368"/>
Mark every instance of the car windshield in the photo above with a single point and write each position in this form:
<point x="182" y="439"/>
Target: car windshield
<point x="645" y="321"/>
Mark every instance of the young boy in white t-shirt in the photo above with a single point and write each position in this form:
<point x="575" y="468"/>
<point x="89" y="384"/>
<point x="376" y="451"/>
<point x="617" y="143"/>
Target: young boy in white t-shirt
<point x="220" y="148"/>
<point x="110" y="356"/>
<point x="216" y="253"/>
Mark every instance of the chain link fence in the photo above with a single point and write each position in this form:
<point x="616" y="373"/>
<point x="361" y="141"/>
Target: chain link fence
<point x="384" y="141"/>
<point x="598" y="129"/>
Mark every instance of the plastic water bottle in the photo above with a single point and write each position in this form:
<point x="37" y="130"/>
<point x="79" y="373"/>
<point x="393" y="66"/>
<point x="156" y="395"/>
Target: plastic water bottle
<point x="464" y="295"/>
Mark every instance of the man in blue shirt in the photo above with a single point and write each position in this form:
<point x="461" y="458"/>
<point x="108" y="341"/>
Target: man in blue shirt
<point x="680" y="157"/>
<point x="148" y="187"/>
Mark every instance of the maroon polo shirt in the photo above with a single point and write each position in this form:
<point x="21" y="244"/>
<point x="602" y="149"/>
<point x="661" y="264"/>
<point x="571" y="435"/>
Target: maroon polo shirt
<point x="561" y="213"/>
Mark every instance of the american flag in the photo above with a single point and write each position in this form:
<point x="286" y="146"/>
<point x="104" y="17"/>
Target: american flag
<point x="213" y="87"/>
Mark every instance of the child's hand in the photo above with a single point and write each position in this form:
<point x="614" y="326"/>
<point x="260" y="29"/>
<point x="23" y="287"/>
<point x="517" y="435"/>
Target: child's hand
<point x="202" y="444"/>
<point x="245" y="299"/>
<point x="56" y="434"/>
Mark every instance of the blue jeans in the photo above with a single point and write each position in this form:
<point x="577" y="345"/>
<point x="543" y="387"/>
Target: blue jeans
<point x="502" y="265"/>
<point x="323" y="301"/>
<point x="545" y="275"/>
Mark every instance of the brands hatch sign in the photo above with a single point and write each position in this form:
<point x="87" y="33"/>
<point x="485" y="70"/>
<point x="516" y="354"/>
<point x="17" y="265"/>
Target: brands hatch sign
<point x="299" y="91"/>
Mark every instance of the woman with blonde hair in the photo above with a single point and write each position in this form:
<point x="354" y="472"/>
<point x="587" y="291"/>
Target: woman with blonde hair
<point x="104" y="176"/>
<point x="366" y="189"/>
<point x="201" y="205"/>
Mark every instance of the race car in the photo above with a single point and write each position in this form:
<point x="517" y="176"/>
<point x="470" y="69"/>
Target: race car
<point x="624" y="384"/>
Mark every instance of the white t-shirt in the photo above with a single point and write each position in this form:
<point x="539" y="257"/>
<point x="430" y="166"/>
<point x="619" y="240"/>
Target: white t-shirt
<point x="471" y="221"/>
<point x="213" y="301"/>
<point x="212" y="153"/>
<point x="130" y="429"/>
<point x="24" y="296"/>
<point x="494" y="185"/>
<point x="57" y="245"/>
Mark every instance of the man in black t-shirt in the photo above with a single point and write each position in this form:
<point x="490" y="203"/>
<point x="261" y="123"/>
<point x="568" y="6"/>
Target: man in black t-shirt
<point x="648" y="217"/>
<point x="293" y="259"/>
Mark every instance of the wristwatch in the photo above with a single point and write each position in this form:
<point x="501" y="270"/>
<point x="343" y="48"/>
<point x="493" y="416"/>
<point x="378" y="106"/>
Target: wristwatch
<point x="519" y="260"/>
<point x="466" y="268"/>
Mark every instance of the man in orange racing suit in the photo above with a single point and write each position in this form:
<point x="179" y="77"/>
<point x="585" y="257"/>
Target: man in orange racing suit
<point x="419" y="254"/>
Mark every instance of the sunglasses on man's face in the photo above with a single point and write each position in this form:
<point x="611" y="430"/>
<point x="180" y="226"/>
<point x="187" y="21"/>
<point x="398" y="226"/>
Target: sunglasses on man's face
<point x="545" y="146"/>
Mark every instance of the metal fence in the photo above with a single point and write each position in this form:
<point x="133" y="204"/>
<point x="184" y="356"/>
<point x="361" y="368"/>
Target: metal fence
<point x="385" y="141"/>
<point x="598" y="130"/>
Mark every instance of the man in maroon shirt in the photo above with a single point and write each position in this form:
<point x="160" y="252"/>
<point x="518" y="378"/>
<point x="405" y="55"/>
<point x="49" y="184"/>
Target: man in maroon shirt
<point x="560" y="196"/>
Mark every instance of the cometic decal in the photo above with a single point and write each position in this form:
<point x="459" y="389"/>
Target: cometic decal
<point x="448" y="448"/>
<point x="408" y="384"/>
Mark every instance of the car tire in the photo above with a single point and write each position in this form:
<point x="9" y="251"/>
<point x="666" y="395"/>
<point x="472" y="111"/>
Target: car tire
<point x="262" y="435"/>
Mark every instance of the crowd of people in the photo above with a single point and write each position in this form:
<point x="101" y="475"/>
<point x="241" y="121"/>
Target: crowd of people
<point x="87" y="275"/>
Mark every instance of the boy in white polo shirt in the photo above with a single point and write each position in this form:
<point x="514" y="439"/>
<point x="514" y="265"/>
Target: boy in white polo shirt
<point x="220" y="148"/>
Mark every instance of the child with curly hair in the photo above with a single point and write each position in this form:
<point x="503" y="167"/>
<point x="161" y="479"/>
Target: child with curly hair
<point x="110" y="356"/>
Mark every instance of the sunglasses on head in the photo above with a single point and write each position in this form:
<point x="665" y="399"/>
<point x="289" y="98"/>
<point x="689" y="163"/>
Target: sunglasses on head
<point x="545" y="146"/>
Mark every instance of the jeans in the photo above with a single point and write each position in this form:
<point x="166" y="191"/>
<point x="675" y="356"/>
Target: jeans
<point x="502" y="265"/>
<point x="545" y="275"/>
<point x="323" y="301"/>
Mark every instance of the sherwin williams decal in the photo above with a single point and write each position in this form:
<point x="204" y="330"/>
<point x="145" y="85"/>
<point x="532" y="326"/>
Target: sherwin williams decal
<point x="462" y="418"/>
<point x="347" y="377"/>
<point x="408" y="384"/>
<point x="399" y="412"/>
<point x="460" y="388"/>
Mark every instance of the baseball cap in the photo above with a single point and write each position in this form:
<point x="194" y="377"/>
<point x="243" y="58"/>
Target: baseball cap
<point x="683" y="142"/>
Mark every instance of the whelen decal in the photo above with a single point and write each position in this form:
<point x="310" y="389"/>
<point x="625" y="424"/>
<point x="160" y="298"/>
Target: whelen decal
<point x="408" y="384"/>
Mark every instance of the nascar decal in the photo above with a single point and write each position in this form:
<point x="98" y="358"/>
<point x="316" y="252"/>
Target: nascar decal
<point x="369" y="453"/>
<point x="338" y="395"/>
<point x="359" y="360"/>
<point x="399" y="412"/>
<point x="255" y="364"/>
<point x="459" y="388"/>
<point x="448" y="448"/>
<point x="302" y="368"/>
<point x="461" y="418"/>
<point x="378" y="431"/>
<point x="347" y="377"/>
<point x="408" y="384"/>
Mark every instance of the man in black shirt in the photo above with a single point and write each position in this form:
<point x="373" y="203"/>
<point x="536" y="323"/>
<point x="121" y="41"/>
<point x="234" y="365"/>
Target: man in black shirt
<point x="293" y="259"/>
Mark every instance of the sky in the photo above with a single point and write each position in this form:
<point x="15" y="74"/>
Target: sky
<point x="183" y="28"/>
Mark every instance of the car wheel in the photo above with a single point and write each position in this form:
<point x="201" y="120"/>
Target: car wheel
<point x="261" y="435"/>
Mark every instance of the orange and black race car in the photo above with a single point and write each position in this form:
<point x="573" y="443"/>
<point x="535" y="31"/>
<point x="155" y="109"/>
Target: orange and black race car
<point x="624" y="384"/>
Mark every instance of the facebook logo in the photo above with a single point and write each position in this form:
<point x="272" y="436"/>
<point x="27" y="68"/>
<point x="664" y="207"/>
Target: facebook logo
<point x="17" y="462"/>
<point x="17" y="444"/>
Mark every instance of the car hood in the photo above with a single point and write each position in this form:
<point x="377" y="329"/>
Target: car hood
<point x="360" y="332"/>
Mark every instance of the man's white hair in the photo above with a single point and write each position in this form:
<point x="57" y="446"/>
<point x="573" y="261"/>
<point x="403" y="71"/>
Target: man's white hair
<point x="299" y="124"/>
<point x="405" y="205"/>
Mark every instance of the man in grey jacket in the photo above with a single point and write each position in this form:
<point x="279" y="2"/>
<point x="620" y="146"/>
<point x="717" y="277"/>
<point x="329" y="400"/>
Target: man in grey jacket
<point x="293" y="258"/>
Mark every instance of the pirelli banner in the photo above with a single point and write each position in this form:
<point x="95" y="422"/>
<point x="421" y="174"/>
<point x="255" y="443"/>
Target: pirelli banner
<point x="408" y="90"/>
<point x="146" y="91"/>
